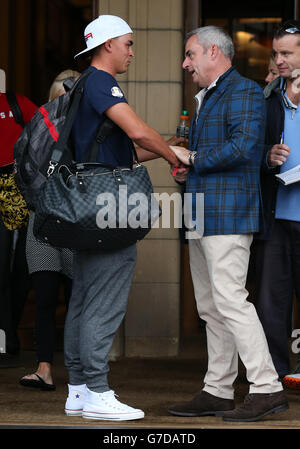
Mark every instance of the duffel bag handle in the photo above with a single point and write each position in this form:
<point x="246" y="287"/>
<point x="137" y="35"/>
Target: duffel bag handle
<point x="78" y="167"/>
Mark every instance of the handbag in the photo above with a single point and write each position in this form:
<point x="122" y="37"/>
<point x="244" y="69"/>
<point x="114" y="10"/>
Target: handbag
<point x="88" y="206"/>
<point x="13" y="208"/>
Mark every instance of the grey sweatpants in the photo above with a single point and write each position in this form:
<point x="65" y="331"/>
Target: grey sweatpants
<point x="101" y="285"/>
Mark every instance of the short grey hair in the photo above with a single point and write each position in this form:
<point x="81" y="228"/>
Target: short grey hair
<point x="213" y="35"/>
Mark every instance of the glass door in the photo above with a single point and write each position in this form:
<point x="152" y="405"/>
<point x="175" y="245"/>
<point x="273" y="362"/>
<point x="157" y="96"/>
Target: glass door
<point x="251" y="28"/>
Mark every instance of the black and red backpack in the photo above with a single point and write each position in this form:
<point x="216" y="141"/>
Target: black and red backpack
<point x="39" y="139"/>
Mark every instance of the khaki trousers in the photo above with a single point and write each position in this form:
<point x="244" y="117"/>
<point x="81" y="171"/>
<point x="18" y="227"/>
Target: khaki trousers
<point x="219" y="267"/>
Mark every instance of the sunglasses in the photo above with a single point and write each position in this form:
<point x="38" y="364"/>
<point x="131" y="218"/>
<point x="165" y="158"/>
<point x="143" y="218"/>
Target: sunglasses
<point x="292" y="30"/>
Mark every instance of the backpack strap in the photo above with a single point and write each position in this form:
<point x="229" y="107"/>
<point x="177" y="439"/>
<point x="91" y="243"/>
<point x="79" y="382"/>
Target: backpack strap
<point x="61" y="145"/>
<point x="13" y="103"/>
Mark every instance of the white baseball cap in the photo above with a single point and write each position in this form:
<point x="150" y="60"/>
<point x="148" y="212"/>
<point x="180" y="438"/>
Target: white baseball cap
<point x="103" y="28"/>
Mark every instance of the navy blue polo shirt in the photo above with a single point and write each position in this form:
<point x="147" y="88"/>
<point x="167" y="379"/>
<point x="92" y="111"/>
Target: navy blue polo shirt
<point x="101" y="91"/>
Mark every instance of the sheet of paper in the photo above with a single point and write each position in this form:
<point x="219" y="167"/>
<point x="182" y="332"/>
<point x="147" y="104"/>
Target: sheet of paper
<point x="289" y="176"/>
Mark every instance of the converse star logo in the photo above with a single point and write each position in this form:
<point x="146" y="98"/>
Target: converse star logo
<point x="116" y="92"/>
<point x="77" y="395"/>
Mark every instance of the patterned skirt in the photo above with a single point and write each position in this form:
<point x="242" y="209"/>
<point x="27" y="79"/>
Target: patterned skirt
<point x="44" y="257"/>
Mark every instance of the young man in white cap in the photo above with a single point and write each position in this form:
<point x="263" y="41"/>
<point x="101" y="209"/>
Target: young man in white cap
<point x="102" y="279"/>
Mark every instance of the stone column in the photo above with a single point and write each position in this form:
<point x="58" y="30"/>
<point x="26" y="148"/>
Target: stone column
<point x="153" y="86"/>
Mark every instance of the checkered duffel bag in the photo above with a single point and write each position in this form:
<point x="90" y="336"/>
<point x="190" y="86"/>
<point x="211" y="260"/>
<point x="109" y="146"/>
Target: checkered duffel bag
<point x="94" y="206"/>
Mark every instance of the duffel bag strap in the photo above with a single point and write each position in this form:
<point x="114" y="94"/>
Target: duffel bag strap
<point x="106" y="128"/>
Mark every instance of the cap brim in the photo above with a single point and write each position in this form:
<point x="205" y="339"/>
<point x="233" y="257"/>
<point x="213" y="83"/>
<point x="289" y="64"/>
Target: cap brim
<point x="85" y="52"/>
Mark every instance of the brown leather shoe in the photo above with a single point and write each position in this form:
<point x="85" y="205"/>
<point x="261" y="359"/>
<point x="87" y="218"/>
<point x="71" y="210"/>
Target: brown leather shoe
<point x="258" y="405"/>
<point x="203" y="404"/>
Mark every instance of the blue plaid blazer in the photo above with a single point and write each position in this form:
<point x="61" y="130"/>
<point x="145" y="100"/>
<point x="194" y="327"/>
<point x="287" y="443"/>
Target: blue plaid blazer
<point x="229" y="139"/>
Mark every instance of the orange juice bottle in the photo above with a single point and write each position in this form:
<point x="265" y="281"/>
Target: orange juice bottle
<point x="183" y="127"/>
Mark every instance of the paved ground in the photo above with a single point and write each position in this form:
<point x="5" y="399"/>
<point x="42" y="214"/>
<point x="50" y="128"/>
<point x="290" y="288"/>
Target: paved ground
<point x="148" y="384"/>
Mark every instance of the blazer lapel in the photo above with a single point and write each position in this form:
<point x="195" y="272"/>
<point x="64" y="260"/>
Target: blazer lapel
<point x="222" y="86"/>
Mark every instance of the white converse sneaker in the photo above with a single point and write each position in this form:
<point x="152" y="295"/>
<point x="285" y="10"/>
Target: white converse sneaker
<point x="106" y="406"/>
<point x="75" y="400"/>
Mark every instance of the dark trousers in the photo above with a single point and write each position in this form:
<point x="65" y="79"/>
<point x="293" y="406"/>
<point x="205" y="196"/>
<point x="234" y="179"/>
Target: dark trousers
<point x="46" y="286"/>
<point x="277" y="278"/>
<point x="14" y="284"/>
<point x="98" y="304"/>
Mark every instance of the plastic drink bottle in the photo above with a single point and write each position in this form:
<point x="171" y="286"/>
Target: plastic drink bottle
<point x="183" y="127"/>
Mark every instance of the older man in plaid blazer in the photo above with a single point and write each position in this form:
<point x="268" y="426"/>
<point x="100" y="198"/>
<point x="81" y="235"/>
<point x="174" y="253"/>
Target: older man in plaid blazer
<point x="226" y="147"/>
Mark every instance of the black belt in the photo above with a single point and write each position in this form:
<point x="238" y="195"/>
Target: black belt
<point x="6" y="169"/>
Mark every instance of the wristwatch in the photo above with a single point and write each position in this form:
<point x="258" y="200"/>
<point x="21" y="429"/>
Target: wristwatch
<point x="192" y="157"/>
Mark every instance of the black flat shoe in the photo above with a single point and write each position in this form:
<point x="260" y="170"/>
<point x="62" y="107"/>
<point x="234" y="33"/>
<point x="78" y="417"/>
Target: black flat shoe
<point x="37" y="383"/>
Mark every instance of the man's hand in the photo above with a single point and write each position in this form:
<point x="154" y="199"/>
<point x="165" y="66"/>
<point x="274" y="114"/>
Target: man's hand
<point x="181" y="173"/>
<point x="182" y="154"/>
<point x="173" y="161"/>
<point x="177" y="140"/>
<point x="278" y="154"/>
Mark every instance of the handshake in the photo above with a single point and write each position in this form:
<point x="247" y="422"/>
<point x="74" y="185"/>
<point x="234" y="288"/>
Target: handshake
<point x="182" y="154"/>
